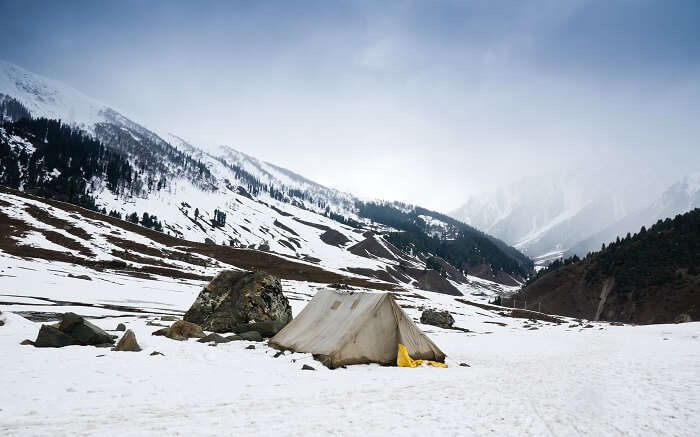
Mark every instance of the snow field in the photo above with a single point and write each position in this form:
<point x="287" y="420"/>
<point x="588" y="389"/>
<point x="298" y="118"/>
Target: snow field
<point x="556" y="380"/>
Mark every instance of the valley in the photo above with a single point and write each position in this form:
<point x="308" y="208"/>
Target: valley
<point x="121" y="224"/>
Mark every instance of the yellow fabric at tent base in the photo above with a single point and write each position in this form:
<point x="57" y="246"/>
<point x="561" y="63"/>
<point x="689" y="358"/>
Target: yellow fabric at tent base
<point x="403" y="360"/>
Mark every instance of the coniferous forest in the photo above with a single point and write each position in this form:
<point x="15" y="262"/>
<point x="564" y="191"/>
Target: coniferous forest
<point x="462" y="246"/>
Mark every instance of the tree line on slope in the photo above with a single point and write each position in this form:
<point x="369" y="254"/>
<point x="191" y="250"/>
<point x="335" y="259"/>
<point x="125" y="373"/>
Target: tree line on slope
<point x="64" y="164"/>
<point x="11" y="109"/>
<point x="661" y="254"/>
<point x="465" y="245"/>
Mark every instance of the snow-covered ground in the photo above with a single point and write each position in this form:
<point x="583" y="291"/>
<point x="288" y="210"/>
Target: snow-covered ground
<point x="554" y="380"/>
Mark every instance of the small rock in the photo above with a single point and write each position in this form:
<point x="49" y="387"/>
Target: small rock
<point x="442" y="319"/>
<point x="83" y="332"/>
<point x="169" y="319"/>
<point x="99" y="356"/>
<point x="154" y="353"/>
<point x="52" y="337"/>
<point x="160" y="332"/>
<point x="233" y="338"/>
<point x="213" y="344"/>
<point x="84" y="277"/>
<point x="307" y="367"/>
<point x="278" y="354"/>
<point x="251" y="336"/>
<point x="181" y="330"/>
<point x="152" y="323"/>
<point x="213" y="337"/>
<point x="27" y="342"/>
<point x="532" y="328"/>
<point x="128" y="343"/>
<point x="588" y="326"/>
<point x="573" y="325"/>
<point x="252" y="346"/>
<point x="121" y="327"/>
<point x="464" y="365"/>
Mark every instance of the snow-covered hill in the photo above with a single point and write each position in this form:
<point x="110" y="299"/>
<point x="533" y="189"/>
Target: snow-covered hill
<point x="521" y="376"/>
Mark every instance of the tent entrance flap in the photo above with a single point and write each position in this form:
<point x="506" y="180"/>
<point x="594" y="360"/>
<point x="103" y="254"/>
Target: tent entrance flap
<point x="404" y="360"/>
<point x="355" y="328"/>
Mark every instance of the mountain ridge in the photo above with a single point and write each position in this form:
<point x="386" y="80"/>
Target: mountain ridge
<point x="231" y="199"/>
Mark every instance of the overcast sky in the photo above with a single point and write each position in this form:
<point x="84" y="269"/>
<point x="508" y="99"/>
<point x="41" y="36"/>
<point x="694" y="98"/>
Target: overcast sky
<point x="422" y="101"/>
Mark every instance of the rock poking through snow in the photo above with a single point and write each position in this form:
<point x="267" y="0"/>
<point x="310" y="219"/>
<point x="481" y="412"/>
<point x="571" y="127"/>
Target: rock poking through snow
<point x="213" y="337"/>
<point x="72" y="330"/>
<point x="251" y="336"/>
<point x="84" y="332"/>
<point x="181" y="330"/>
<point x="241" y="302"/>
<point x="128" y="343"/>
<point x="121" y="327"/>
<point x="52" y="337"/>
<point x="442" y="319"/>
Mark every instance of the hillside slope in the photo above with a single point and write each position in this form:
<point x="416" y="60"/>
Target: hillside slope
<point x="651" y="277"/>
<point x="221" y="196"/>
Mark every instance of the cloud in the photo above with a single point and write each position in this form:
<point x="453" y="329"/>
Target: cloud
<point x="426" y="102"/>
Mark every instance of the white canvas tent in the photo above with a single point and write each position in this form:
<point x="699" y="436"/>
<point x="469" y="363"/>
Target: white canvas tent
<point x="342" y="328"/>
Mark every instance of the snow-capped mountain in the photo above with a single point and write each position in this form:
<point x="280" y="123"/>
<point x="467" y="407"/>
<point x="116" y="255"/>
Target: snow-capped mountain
<point x="217" y="194"/>
<point x="544" y="216"/>
<point x="50" y="98"/>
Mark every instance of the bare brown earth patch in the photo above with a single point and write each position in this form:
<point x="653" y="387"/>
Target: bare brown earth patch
<point x="313" y="225"/>
<point x="334" y="238"/>
<point x="248" y="259"/>
<point x="285" y="227"/>
<point x="46" y="217"/>
<point x="66" y="242"/>
<point x="370" y="247"/>
<point x="382" y="275"/>
<point x="514" y="312"/>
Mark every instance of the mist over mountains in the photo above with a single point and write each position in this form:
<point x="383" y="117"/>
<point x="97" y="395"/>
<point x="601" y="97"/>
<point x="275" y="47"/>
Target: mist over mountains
<point x="575" y="212"/>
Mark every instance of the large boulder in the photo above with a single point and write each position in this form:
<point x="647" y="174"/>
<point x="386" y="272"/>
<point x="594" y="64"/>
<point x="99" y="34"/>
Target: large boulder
<point x="442" y="319"/>
<point x="240" y="302"/>
<point x="128" y="343"/>
<point x="72" y="329"/>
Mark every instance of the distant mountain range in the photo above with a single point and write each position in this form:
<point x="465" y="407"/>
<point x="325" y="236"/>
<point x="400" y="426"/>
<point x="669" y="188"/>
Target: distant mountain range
<point x="549" y="217"/>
